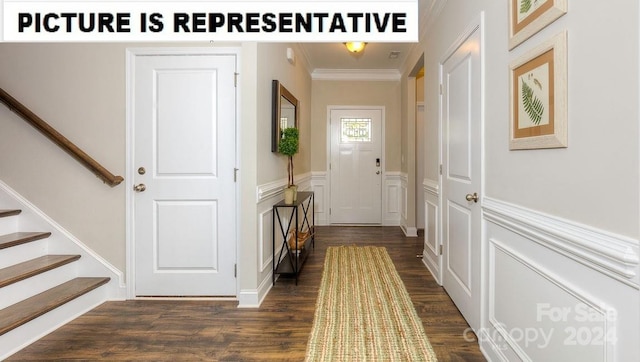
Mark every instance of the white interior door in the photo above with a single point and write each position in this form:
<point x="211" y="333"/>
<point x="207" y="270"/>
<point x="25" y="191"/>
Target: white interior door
<point x="461" y="179"/>
<point x="184" y="205"/>
<point x="356" y="166"/>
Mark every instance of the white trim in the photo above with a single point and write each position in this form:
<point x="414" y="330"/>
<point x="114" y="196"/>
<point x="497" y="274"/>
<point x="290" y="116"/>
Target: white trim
<point x="431" y="187"/>
<point x="431" y="15"/>
<point x="318" y="185"/>
<point x="392" y="183"/>
<point x="273" y="188"/>
<point x="130" y="55"/>
<point x="602" y="308"/>
<point x="36" y="212"/>
<point x="404" y="180"/>
<point x="356" y="74"/>
<point x="611" y="254"/>
<point x="261" y="253"/>
<point x="409" y="231"/>
<point x="253" y="298"/>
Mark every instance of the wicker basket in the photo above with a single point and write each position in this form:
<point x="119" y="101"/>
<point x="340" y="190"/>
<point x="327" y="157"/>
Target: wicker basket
<point x="302" y="239"/>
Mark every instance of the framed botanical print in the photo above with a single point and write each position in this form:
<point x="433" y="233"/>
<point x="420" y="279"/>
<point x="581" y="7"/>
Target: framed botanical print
<point x="527" y="17"/>
<point x="538" y="92"/>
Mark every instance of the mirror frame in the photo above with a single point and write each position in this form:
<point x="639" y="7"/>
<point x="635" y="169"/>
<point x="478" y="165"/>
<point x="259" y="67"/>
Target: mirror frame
<point x="279" y="91"/>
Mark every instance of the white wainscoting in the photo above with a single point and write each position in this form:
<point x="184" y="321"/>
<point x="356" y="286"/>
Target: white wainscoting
<point x="404" y="180"/>
<point x="391" y="199"/>
<point x="391" y="193"/>
<point x="266" y="195"/>
<point x="319" y="187"/>
<point x="431" y="254"/>
<point x="556" y="290"/>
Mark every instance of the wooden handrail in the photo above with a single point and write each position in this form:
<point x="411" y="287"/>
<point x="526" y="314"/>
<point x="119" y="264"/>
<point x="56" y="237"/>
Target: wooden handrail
<point x="57" y="138"/>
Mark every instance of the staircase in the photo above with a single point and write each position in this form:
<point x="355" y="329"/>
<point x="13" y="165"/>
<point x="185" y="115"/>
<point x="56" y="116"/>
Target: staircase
<point x="46" y="278"/>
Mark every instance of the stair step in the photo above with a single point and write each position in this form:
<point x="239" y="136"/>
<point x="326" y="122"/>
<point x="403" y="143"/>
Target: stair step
<point x="27" y="269"/>
<point x="6" y="213"/>
<point x="14" y="239"/>
<point x="27" y="310"/>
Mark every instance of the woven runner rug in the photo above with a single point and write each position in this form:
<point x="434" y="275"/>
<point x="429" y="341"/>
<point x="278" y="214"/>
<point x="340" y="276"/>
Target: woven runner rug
<point x="364" y="312"/>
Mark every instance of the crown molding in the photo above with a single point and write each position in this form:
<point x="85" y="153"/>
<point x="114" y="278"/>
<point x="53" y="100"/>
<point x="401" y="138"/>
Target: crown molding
<point x="356" y="74"/>
<point x="304" y="58"/>
<point x="430" y="17"/>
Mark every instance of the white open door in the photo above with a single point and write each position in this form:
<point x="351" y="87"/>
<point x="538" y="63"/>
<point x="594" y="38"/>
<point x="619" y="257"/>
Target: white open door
<point x="184" y="157"/>
<point x="462" y="176"/>
<point x="356" y="166"/>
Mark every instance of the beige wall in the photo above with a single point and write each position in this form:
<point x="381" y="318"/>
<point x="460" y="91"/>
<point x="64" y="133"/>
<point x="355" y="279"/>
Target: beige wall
<point x="595" y="181"/>
<point x="80" y="89"/>
<point x="273" y="64"/>
<point x="359" y="93"/>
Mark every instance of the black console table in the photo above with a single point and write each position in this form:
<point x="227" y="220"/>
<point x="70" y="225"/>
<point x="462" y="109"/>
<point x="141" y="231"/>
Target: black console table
<point x="298" y="236"/>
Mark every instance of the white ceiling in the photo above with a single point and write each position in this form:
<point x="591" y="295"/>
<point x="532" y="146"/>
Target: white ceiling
<point x="374" y="56"/>
<point x="333" y="56"/>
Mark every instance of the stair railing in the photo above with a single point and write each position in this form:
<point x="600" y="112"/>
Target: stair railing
<point x="57" y="138"/>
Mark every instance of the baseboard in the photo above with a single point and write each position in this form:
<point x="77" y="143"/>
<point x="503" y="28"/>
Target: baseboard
<point x="253" y="298"/>
<point x="409" y="231"/>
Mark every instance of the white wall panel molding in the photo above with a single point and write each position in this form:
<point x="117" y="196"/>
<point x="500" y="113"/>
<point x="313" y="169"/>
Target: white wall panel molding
<point x="613" y="255"/>
<point x="268" y="194"/>
<point x="319" y="186"/>
<point x="391" y="199"/>
<point x="265" y="254"/>
<point x="430" y="254"/>
<point x="404" y="180"/>
<point x="276" y="187"/>
<point x="431" y="224"/>
<point x="432" y="187"/>
<point x="561" y="311"/>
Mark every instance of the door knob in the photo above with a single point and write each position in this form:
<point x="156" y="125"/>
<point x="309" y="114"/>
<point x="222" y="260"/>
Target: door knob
<point x="377" y="172"/>
<point x="473" y="197"/>
<point x="140" y="188"/>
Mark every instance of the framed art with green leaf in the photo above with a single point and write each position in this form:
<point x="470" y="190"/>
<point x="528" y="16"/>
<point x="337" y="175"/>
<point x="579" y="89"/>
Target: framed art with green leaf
<point x="527" y="17"/>
<point x="538" y="88"/>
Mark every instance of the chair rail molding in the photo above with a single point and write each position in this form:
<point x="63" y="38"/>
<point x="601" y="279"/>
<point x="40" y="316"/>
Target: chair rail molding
<point x="611" y="254"/>
<point x="431" y="186"/>
<point x="276" y="187"/>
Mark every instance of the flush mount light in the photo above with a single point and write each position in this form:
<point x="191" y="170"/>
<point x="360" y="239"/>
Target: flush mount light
<point x="355" y="46"/>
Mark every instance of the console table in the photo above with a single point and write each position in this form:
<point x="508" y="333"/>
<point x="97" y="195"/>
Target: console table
<point x="297" y="229"/>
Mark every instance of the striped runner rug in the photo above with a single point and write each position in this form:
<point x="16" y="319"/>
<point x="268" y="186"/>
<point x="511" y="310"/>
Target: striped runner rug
<point x="364" y="312"/>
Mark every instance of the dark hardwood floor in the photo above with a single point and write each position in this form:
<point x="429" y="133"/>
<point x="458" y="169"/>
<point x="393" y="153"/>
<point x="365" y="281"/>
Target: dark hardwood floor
<point x="277" y="331"/>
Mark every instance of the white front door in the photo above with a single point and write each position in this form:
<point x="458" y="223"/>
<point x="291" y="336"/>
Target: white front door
<point x="183" y="158"/>
<point x="462" y="176"/>
<point x="356" y="166"/>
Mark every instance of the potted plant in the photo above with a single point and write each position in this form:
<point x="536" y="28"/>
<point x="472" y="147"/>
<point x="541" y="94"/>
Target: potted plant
<point x="288" y="146"/>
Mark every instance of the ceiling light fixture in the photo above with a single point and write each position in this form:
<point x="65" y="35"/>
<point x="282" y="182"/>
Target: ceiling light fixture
<point x="355" y="46"/>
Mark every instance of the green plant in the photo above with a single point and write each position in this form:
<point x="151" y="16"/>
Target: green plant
<point x="532" y="105"/>
<point x="525" y="5"/>
<point x="288" y="146"/>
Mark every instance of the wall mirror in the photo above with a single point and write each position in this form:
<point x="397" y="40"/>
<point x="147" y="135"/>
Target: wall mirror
<point x="284" y="113"/>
